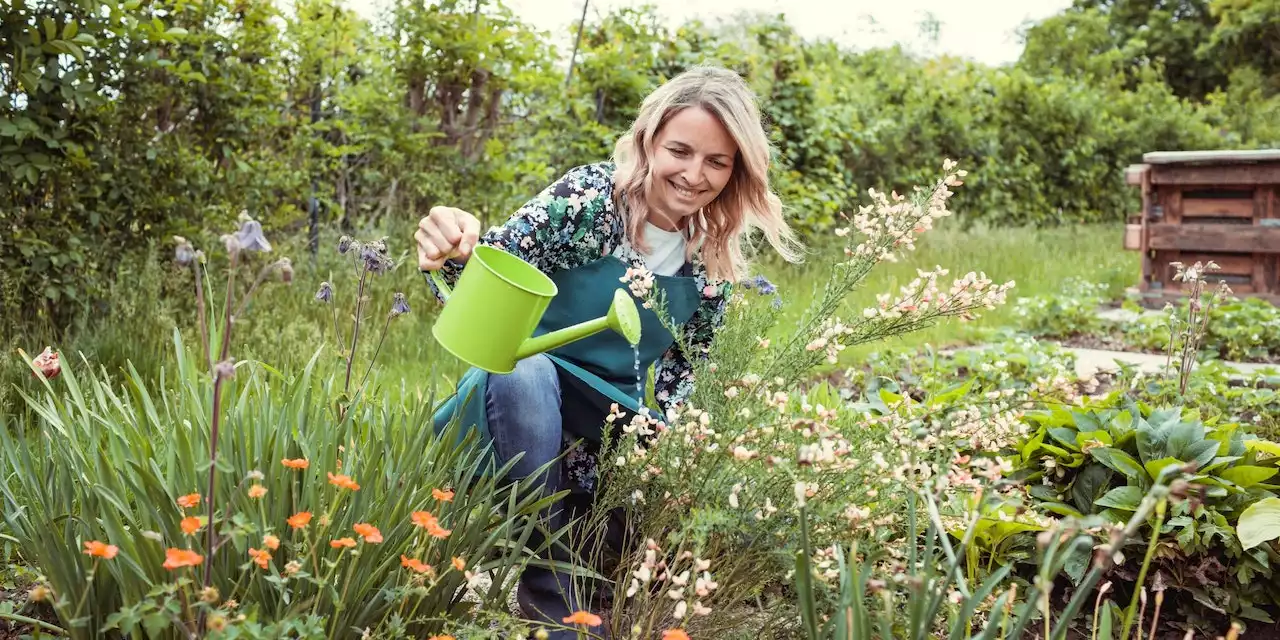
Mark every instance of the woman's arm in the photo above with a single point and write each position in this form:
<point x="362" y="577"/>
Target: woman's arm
<point x="571" y="222"/>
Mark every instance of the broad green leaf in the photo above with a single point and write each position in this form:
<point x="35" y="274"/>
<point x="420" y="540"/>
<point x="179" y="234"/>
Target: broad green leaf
<point x="1085" y="437"/>
<point x="1090" y="483"/>
<point x="1154" y="467"/>
<point x="1246" y="476"/>
<point x="1127" y="498"/>
<point x="1265" y="446"/>
<point x="1259" y="523"/>
<point x="1117" y="460"/>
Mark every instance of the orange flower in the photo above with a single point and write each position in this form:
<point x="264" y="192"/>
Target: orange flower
<point x="583" y="617"/>
<point x="343" y="481"/>
<point x="261" y="556"/>
<point x="101" y="549"/>
<point x="675" y="634"/>
<point x="190" y="525"/>
<point x="369" y="532"/>
<point x="444" y="637"/>
<point x="342" y="542"/>
<point x="271" y="542"/>
<point x="300" y="519"/>
<point x="459" y="563"/>
<point x="178" y="558"/>
<point x="189" y="500"/>
<point x="442" y="496"/>
<point x="415" y="564"/>
<point x="300" y="463"/>
<point x="47" y="363"/>
<point x="429" y="522"/>
<point x="257" y="491"/>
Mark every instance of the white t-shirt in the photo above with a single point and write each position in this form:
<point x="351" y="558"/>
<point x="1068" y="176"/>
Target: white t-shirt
<point x="666" y="250"/>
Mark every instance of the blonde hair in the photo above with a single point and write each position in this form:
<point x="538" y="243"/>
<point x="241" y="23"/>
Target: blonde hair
<point x="746" y="201"/>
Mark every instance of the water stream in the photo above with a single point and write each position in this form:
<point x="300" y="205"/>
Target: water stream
<point x="639" y="383"/>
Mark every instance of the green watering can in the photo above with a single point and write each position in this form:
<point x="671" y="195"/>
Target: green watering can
<point x="497" y="303"/>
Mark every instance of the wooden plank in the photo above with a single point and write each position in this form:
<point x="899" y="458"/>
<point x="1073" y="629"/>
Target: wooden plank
<point x="1132" y="237"/>
<point x="1215" y="208"/>
<point x="1214" y="237"/>
<point x="1214" y="156"/>
<point x="1133" y="174"/>
<point x="1264" y="274"/>
<point x="1145" y="282"/>
<point x="1229" y="264"/>
<point x="1244" y="174"/>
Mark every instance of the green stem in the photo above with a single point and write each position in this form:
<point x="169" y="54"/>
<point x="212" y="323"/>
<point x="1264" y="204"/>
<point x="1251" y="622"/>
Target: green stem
<point x="93" y="571"/>
<point x="376" y="351"/>
<point x="1146" y="563"/>
<point x="355" y="333"/>
<point x="38" y="624"/>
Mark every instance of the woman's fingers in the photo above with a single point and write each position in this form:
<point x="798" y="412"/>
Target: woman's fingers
<point x="430" y="256"/>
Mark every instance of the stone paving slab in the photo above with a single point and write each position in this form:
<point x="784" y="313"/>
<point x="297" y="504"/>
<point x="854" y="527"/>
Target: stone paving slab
<point x="1091" y="361"/>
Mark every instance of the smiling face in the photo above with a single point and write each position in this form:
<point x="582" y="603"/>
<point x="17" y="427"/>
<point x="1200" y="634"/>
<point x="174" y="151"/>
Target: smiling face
<point x="692" y="162"/>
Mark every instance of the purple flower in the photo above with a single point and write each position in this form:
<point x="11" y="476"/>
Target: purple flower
<point x="250" y="237"/>
<point x="375" y="257"/>
<point x="325" y="293"/>
<point x="399" y="305"/>
<point x="344" y="244"/>
<point x="777" y="302"/>
<point x="765" y="286"/>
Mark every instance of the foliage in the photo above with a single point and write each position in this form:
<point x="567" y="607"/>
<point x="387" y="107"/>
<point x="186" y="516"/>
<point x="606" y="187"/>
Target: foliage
<point x="109" y="507"/>
<point x="169" y="116"/>
<point x="1100" y="459"/>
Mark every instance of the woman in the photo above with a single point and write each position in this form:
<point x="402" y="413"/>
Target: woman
<point x="686" y="185"/>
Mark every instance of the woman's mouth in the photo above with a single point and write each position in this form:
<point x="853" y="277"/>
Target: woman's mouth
<point x="688" y="194"/>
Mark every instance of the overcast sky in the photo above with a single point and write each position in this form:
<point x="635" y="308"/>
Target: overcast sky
<point x="984" y="30"/>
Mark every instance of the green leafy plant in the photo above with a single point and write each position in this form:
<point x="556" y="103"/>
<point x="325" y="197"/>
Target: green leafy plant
<point x="1102" y="459"/>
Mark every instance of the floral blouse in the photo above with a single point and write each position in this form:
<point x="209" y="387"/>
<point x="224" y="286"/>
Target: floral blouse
<point x="574" y="222"/>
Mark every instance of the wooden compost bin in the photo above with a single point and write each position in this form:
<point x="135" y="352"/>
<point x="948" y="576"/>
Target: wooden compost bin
<point x="1199" y="206"/>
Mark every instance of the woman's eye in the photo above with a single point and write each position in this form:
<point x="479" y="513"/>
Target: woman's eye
<point x="679" y="153"/>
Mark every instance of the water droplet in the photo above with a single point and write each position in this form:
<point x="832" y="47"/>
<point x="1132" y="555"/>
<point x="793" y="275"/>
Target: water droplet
<point x="639" y="384"/>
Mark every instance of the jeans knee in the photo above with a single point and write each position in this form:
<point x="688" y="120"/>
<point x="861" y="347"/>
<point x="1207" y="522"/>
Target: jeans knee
<point x="533" y="385"/>
<point x="523" y="410"/>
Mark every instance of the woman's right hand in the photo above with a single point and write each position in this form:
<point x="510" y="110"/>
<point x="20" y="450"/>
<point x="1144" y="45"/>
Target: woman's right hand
<point x="445" y="233"/>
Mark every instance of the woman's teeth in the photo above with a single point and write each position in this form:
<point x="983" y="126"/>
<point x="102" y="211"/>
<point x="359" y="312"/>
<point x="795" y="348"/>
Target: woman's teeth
<point x="682" y="191"/>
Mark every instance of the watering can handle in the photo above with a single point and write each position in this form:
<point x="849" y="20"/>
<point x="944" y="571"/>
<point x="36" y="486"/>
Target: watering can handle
<point x="435" y="277"/>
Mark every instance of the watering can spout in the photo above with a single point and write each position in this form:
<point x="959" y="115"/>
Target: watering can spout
<point x="623" y="318"/>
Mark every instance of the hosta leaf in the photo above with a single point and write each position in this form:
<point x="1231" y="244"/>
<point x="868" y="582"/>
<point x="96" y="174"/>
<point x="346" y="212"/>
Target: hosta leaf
<point x="1093" y="436"/>
<point x="1246" y="476"/>
<point x="1265" y="446"/>
<point x="1259" y="523"/>
<point x="1126" y="498"/>
<point x="1090" y="483"/>
<point x="1151" y="442"/>
<point x="1066" y="437"/>
<point x="1117" y="460"/>
<point x="1121" y="425"/>
<point x="1154" y="467"/>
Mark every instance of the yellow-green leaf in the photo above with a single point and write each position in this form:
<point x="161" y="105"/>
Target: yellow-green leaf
<point x="1246" y="476"/>
<point x="1259" y="523"/>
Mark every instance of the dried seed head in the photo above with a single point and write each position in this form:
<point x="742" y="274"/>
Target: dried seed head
<point x="184" y="254"/>
<point x="344" y="244"/>
<point x="225" y="370"/>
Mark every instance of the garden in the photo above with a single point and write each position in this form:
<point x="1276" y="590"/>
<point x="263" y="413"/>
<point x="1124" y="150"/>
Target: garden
<point x="219" y="373"/>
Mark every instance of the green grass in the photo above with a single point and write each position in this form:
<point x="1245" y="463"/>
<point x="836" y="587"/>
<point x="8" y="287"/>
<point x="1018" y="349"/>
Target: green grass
<point x="285" y="324"/>
<point x="1037" y="260"/>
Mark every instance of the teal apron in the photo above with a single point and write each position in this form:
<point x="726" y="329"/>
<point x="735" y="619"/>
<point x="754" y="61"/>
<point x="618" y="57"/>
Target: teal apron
<point x="596" y="371"/>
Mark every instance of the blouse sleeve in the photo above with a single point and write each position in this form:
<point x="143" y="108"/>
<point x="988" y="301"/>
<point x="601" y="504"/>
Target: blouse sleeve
<point x="568" y="224"/>
<point x="673" y="375"/>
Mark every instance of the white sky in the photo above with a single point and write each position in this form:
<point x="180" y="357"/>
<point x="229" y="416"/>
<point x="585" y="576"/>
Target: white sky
<point x="983" y="30"/>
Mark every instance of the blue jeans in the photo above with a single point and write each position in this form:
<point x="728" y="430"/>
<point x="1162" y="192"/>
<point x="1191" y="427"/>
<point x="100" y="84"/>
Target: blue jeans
<point x="523" y="409"/>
